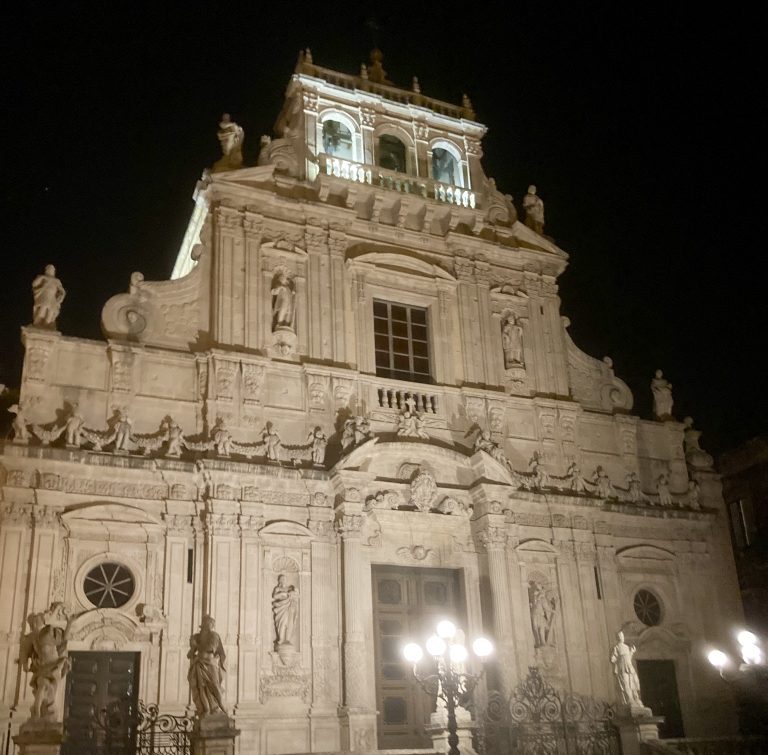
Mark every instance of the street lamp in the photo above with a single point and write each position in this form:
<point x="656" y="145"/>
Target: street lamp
<point x="751" y="653"/>
<point x="447" y="647"/>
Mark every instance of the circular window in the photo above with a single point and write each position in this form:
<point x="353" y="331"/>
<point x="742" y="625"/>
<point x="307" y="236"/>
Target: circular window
<point x="647" y="608"/>
<point x="109" y="585"/>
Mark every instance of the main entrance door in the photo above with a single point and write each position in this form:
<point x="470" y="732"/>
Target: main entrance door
<point x="100" y="703"/>
<point x="407" y="603"/>
<point x="658" y="690"/>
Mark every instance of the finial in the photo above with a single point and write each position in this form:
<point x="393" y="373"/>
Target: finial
<point x="308" y="56"/>
<point x="363" y="71"/>
<point x="466" y="102"/>
<point x="376" y="71"/>
<point x="415" y="85"/>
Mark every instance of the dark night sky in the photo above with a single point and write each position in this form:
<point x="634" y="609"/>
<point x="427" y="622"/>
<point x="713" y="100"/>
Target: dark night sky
<point x="643" y="126"/>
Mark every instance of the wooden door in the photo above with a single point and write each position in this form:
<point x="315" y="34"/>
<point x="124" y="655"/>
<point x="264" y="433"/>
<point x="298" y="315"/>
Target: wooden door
<point x="658" y="690"/>
<point x="100" y="703"/>
<point x="408" y="603"/>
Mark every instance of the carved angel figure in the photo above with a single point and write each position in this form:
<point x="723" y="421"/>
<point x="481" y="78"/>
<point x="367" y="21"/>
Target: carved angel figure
<point x="484" y="442"/>
<point x="576" y="481"/>
<point x="122" y="430"/>
<point x="221" y="438"/>
<point x="271" y="441"/>
<point x="44" y="654"/>
<point x="319" y="441"/>
<point x="539" y="477"/>
<point x="634" y="487"/>
<point x="174" y="437"/>
<point x="206" y="668"/>
<point x="603" y="485"/>
<point x="411" y="425"/>
<point x="48" y="293"/>
<point x="662" y="488"/>
<point x="624" y="669"/>
<point x="73" y="427"/>
<point x="19" y="424"/>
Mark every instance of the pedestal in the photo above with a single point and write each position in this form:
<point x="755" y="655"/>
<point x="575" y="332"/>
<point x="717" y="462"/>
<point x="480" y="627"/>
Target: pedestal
<point x="38" y="737"/>
<point x="214" y="734"/>
<point x="636" y="724"/>
<point x="438" y="732"/>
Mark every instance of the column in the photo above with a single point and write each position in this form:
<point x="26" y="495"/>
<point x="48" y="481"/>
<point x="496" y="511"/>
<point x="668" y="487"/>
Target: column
<point x="468" y="320"/>
<point x="228" y="283"/>
<point x="337" y="246"/>
<point x="485" y="320"/>
<point x="253" y="226"/>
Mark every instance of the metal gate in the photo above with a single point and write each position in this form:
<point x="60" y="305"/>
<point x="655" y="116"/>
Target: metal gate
<point x="122" y="729"/>
<point x="539" y="720"/>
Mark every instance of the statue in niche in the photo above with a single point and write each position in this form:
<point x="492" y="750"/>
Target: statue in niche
<point x="73" y="427"/>
<point x="319" y="441"/>
<point x="283" y="302"/>
<point x="662" y="396"/>
<point x="285" y="610"/>
<point x="44" y="655"/>
<point x="634" y="487"/>
<point x="221" y="438"/>
<point x="662" y="488"/>
<point x="231" y="137"/>
<point x="272" y="442"/>
<point x="624" y="669"/>
<point x="512" y="342"/>
<point x="534" y="210"/>
<point x="48" y="293"/>
<point x="543" y="609"/>
<point x="576" y="481"/>
<point x="206" y="668"/>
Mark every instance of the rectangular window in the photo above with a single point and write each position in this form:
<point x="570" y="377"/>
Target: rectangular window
<point x="401" y="341"/>
<point x="190" y="565"/>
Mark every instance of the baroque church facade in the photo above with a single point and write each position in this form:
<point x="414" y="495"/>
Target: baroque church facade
<point x="354" y="409"/>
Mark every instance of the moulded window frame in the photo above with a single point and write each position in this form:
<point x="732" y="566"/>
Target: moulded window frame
<point x="390" y="129"/>
<point x="334" y="114"/>
<point x="458" y="155"/>
<point x="430" y="338"/>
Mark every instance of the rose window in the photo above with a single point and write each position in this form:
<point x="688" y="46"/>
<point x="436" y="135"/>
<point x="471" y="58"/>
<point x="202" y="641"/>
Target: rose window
<point x="109" y="585"/>
<point x="647" y="608"/>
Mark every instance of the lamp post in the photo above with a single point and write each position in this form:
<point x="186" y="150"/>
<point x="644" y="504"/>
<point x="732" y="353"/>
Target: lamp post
<point x="446" y="646"/>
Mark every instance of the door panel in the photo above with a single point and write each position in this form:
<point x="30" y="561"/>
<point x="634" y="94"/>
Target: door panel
<point x="658" y="690"/>
<point x="97" y="683"/>
<point x="407" y="605"/>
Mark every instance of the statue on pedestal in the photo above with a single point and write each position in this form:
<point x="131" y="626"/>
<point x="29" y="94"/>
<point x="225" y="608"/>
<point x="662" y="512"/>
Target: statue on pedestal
<point x="534" y="210"/>
<point x="206" y="668"/>
<point x="285" y="611"/>
<point x="231" y="138"/>
<point x="626" y="675"/>
<point x="662" y="396"/>
<point x="44" y="654"/>
<point x="48" y="293"/>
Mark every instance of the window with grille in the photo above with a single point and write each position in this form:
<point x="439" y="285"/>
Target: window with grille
<point x="402" y="345"/>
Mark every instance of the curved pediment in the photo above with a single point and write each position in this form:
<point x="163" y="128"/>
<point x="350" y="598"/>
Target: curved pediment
<point x="645" y="553"/>
<point x="109" y="512"/>
<point x="397" y="261"/>
<point x="282" y="527"/>
<point x="536" y="545"/>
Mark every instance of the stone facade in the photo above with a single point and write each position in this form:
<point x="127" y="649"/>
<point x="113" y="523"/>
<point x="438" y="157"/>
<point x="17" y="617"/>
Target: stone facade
<point x="234" y="427"/>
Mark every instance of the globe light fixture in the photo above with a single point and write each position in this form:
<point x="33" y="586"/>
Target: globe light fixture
<point x="746" y="637"/>
<point x="751" y="653"/>
<point x="718" y="659"/>
<point x="451" y="682"/>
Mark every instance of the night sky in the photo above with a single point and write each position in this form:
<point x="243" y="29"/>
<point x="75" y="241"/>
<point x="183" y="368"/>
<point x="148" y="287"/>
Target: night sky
<point x="642" y="125"/>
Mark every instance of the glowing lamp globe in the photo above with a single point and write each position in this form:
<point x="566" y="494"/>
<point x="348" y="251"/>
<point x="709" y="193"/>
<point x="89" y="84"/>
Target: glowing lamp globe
<point x="458" y="653"/>
<point x="436" y="645"/>
<point x="746" y="638"/>
<point x="717" y="658"/>
<point x="413" y="652"/>
<point x="751" y="654"/>
<point x="446" y="629"/>
<point x="483" y="647"/>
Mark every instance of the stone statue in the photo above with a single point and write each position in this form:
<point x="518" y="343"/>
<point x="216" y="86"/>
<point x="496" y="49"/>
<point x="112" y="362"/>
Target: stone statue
<point x="174" y="437"/>
<point x="231" y="138"/>
<point x="206" y="668"/>
<point x="634" y="487"/>
<point x="662" y="487"/>
<point x="285" y="610"/>
<point x="538" y="475"/>
<point x="623" y="668"/>
<point x="534" y="210"/>
<point x="283" y="307"/>
<point x="122" y="430"/>
<point x="662" y="396"/>
<point x="73" y="427"/>
<point x="319" y="441"/>
<point x="484" y="442"/>
<point x="48" y="293"/>
<point x="271" y="441"/>
<point x="603" y="485"/>
<point x="411" y="424"/>
<point x="44" y="654"/>
<point x="19" y="424"/>
<point x="512" y="342"/>
<point x="542" y="615"/>
<point x="576" y="481"/>
<point x="221" y="438"/>
<point x="357" y="430"/>
<point x="695" y="455"/>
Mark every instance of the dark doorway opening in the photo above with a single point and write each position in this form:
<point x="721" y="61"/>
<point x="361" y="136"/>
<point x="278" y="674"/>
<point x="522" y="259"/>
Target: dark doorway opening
<point x="658" y="689"/>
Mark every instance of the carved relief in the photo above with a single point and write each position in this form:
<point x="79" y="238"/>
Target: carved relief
<point x="423" y="491"/>
<point x="253" y="380"/>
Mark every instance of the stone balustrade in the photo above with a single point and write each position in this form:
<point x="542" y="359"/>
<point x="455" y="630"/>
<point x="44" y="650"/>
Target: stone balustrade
<point x="396" y="396"/>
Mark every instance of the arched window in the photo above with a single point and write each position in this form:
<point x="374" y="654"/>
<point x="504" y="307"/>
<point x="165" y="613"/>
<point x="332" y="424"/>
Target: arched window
<point x="445" y="167"/>
<point x="392" y="154"/>
<point x="337" y="140"/>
